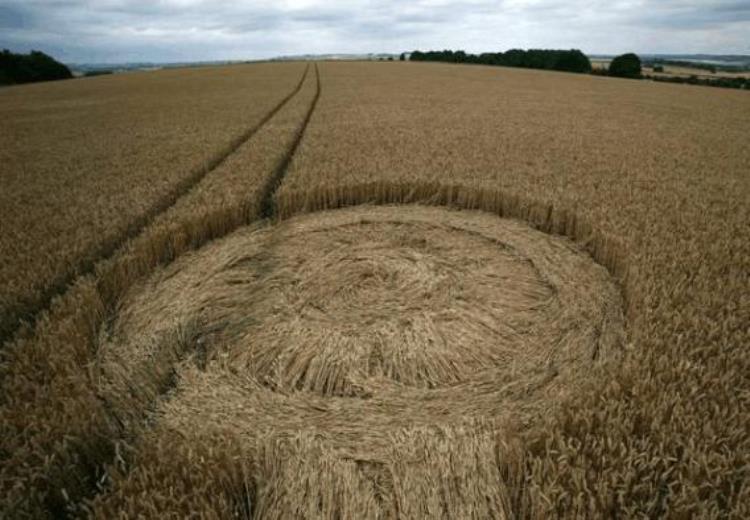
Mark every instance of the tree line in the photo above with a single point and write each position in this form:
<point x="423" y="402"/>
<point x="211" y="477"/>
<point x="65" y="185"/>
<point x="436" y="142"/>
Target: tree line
<point x="623" y="66"/>
<point x="736" y="82"/>
<point x="28" y="68"/>
<point x="548" y="59"/>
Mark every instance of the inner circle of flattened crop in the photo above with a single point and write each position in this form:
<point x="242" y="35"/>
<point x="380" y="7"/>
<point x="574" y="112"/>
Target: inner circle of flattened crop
<point x="378" y="315"/>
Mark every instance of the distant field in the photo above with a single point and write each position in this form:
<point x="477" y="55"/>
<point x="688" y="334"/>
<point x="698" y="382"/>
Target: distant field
<point x="680" y="71"/>
<point x="414" y="290"/>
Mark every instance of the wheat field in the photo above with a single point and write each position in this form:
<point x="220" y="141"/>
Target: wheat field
<point x="402" y="291"/>
<point x="85" y="165"/>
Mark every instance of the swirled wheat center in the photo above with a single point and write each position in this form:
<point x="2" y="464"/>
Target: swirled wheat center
<point x="372" y="301"/>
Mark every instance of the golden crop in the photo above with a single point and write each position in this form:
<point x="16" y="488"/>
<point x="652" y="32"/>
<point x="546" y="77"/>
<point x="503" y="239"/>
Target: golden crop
<point x="403" y="361"/>
<point x="86" y="164"/>
<point x="370" y="334"/>
<point x="49" y="408"/>
<point x="653" y="180"/>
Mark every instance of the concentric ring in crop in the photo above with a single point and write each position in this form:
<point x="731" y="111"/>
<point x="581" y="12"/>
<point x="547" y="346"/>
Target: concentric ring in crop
<point x="359" y="322"/>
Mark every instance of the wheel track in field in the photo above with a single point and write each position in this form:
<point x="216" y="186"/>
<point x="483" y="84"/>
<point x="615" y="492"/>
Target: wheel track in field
<point x="268" y="207"/>
<point x="169" y="381"/>
<point x="26" y="313"/>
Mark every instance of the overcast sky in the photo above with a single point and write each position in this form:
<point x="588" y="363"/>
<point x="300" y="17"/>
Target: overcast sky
<point x="193" y="30"/>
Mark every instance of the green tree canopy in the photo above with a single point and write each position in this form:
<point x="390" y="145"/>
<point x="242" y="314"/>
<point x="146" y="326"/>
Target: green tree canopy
<point x="626" y="66"/>
<point x="551" y="59"/>
<point x="28" y="68"/>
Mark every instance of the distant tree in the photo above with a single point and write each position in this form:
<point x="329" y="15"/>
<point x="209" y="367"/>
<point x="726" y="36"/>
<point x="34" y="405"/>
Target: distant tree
<point x="28" y="68"/>
<point x="459" y="57"/>
<point x="657" y="68"/>
<point x="390" y="58"/>
<point x="98" y="72"/>
<point x="626" y="66"/>
<point x="402" y="57"/>
<point x="573" y="61"/>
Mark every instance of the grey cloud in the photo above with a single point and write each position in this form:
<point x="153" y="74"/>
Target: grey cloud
<point x="167" y="30"/>
<point x="683" y="16"/>
<point x="13" y="18"/>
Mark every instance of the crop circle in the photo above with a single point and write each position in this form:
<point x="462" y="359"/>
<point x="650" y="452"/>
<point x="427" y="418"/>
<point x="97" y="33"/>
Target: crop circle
<point x="399" y="306"/>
